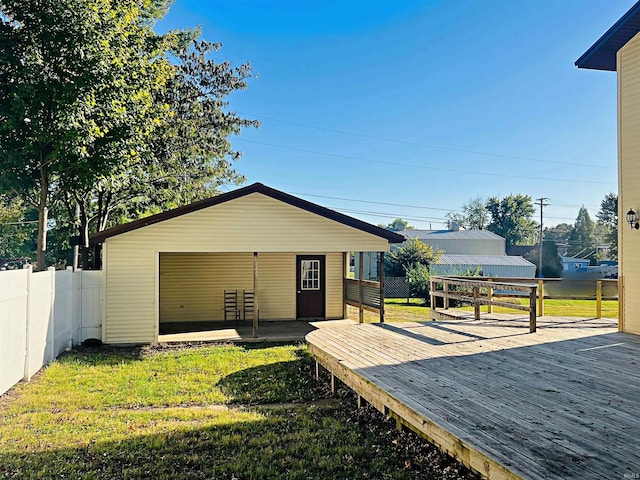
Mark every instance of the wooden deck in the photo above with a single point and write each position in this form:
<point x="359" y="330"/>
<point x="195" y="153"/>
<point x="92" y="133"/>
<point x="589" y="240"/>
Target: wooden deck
<point x="563" y="402"/>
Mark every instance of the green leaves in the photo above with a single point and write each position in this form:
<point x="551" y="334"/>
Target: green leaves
<point x="97" y="109"/>
<point x="511" y="219"/>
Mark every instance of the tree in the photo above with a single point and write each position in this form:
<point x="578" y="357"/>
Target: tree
<point x="511" y="219"/>
<point x="551" y="264"/>
<point x="17" y="229"/>
<point x="582" y="241"/>
<point x="100" y="113"/>
<point x="410" y="253"/>
<point x="398" y="224"/>
<point x="559" y="234"/>
<point x="188" y="156"/>
<point x="474" y="215"/>
<point x="607" y="217"/>
<point x="76" y="75"/>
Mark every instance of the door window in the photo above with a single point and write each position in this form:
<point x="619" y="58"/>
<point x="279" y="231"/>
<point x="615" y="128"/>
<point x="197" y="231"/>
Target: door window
<point x="310" y="274"/>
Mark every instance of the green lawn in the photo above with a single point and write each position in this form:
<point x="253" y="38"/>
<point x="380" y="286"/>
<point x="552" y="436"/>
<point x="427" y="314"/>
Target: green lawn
<point x="563" y="308"/>
<point x="200" y="412"/>
<point x="397" y="309"/>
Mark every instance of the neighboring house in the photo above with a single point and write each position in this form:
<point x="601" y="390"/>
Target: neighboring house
<point x="569" y="264"/>
<point x="618" y="50"/>
<point x="176" y="266"/>
<point x="462" y="250"/>
<point x="460" y="242"/>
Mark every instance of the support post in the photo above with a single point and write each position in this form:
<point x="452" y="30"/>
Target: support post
<point x="620" y="308"/>
<point x="333" y="383"/>
<point x="317" y="370"/>
<point x="476" y="305"/>
<point x="361" y="288"/>
<point x="540" y="298"/>
<point x="489" y="297"/>
<point x="532" y="310"/>
<point x="432" y="298"/>
<point x="381" y="287"/>
<point x="599" y="299"/>
<point x="346" y="268"/>
<point x="255" y="295"/>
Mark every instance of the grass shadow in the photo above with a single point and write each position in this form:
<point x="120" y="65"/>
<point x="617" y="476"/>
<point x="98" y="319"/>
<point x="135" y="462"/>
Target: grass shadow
<point x="104" y="355"/>
<point x="288" y="381"/>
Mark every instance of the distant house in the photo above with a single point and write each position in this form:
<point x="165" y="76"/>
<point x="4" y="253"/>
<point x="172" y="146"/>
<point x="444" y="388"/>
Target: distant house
<point x="463" y="250"/>
<point x="618" y="50"/>
<point x="570" y="264"/>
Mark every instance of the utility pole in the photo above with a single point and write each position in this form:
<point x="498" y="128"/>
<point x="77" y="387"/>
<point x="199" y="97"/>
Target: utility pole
<point x="542" y="202"/>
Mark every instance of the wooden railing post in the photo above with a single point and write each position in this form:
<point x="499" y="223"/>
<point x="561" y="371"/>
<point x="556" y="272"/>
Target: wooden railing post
<point x="540" y="298"/>
<point x="361" y="288"/>
<point x="432" y="298"/>
<point x="476" y="305"/>
<point x="445" y="299"/>
<point x="489" y="297"/>
<point x="532" y="310"/>
<point x="381" y="287"/>
<point x="599" y="299"/>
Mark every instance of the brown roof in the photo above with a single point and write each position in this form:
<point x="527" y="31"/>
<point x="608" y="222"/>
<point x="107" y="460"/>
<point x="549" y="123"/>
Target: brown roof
<point x="392" y="237"/>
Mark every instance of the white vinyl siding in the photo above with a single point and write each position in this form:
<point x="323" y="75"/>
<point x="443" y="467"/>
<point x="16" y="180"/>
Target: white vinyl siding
<point x="629" y="177"/>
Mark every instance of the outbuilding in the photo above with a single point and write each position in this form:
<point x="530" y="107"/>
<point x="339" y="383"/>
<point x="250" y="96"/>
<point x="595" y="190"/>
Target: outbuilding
<point x="286" y="256"/>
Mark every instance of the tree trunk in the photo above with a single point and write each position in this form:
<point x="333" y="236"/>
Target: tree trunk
<point x="43" y="220"/>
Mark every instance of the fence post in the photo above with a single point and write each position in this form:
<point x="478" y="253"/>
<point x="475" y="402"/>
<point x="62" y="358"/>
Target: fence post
<point x="490" y="297"/>
<point x="599" y="299"/>
<point x="361" y="288"/>
<point x="52" y="320"/>
<point x="381" y="287"/>
<point x="540" y="298"/>
<point x="532" y="310"/>
<point x="476" y="305"/>
<point x="27" y="349"/>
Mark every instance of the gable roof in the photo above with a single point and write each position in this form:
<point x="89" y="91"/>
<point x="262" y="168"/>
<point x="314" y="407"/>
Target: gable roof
<point x="602" y="54"/>
<point x="391" y="237"/>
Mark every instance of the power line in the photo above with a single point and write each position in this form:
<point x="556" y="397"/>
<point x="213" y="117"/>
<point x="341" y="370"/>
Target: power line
<point x="374" y="203"/>
<point x="425" y="167"/>
<point x="426" y="145"/>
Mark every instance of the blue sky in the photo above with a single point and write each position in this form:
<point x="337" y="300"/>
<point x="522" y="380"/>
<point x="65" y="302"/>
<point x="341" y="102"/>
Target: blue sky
<point x="413" y="108"/>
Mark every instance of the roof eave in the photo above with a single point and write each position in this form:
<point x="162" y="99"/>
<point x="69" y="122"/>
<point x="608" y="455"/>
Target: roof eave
<point x="391" y="237"/>
<point x="602" y="54"/>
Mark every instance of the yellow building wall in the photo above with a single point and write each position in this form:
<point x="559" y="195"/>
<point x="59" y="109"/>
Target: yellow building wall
<point x="251" y="223"/>
<point x="629" y="179"/>
<point x="192" y="285"/>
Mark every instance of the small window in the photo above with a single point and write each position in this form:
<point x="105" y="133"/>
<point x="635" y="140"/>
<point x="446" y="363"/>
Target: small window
<point x="310" y="275"/>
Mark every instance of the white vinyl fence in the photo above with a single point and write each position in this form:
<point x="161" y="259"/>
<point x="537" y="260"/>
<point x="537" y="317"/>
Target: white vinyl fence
<point x="41" y="315"/>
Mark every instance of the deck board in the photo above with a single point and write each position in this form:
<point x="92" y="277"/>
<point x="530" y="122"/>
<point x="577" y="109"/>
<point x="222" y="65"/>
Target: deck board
<point x="562" y="402"/>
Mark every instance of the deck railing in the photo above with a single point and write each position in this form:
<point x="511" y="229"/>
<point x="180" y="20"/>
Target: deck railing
<point x="363" y="294"/>
<point x="481" y="292"/>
